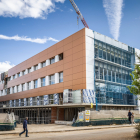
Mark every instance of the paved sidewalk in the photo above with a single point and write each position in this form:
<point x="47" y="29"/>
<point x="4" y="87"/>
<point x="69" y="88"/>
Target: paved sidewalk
<point x="52" y="128"/>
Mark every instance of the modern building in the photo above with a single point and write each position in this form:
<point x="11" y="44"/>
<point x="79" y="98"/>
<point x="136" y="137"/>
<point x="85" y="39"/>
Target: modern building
<point x="86" y="67"/>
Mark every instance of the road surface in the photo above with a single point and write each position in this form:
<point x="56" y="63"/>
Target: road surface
<point x="124" y="133"/>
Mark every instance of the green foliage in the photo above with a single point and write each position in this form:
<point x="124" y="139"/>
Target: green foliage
<point x="137" y="130"/>
<point x="135" y="86"/>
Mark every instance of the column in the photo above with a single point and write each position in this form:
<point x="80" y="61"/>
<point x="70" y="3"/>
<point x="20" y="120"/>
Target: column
<point x="32" y="68"/>
<point x="20" y="88"/>
<point x="47" y="80"/>
<point x="32" y="84"/>
<point x="25" y="86"/>
<point x="21" y="73"/>
<point x="3" y="92"/>
<point x="26" y="71"/>
<point x="107" y="75"/>
<point x="12" y="77"/>
<point x="111" y="76"/>
<point x="47" y="62"/>
<point x="11" y="91"/>
<point x="15" y="89"/>
<point x="39" y="66"/>
<point x="99" y="72"/>
<point x="103" y="75"/>
<point x="115" y="76"/>
<point x="56" y="78"/>
<point x="56" y="58"/>
<point x="16" y="76"/>
<point x="39" y="82"/>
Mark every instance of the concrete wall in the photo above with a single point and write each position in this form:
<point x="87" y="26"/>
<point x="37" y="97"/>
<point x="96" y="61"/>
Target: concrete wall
<point x="106" y="114"/>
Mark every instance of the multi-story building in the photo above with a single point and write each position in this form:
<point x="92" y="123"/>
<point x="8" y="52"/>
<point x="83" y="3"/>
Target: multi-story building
<point x="86" y="67"/>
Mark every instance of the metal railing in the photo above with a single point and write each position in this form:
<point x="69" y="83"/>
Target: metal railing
<point x="39" y="120"/>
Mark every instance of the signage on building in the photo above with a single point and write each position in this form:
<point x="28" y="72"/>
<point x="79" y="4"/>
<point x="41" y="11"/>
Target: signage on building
<point x="87" y="112"/>
<point x="81" y="117"/>
<point x="87" y="118"/>
<point x="91" y="105"/>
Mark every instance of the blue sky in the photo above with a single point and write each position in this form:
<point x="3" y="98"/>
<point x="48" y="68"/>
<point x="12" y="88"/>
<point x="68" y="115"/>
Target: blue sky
<point x="56" y="21"/>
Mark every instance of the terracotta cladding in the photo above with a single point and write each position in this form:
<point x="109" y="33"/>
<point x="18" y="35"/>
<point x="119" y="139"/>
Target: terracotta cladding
<point x="73" y="67"/>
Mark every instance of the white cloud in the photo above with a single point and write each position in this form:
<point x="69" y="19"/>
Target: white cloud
<point x="27" y="8"/>
<point x="113" y="9"/>
<point x="71" y="10"/>
<point x="24" y="38"/>
<point x="5" y="66"/>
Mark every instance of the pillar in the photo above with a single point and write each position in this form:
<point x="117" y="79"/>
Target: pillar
<point x="56" y="78"/>
<point x="39" y="82"/>
<point x="56" y="58"/>
<point x="47" y="62"/>
<point x="115" y="76"/>
<point x="39" y="66"/>
<point x="25" y="86"/>
<point x="26" y="71"/>
<point x="32" y="68"/>
<point x="32" y="84"/>
<point x="47" y="80"/>
<point x="53" y="114"/>
<point x="21" y="73"/>
<point x="15" y="89"/>
<point x="20" y="88"/>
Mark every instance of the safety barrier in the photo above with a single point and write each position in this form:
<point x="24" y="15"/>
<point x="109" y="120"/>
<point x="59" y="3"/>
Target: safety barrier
<point x="103" y="122"/>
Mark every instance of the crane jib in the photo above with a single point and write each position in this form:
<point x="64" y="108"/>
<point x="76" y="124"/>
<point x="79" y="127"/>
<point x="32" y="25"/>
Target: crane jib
<point x="79" y="13"/>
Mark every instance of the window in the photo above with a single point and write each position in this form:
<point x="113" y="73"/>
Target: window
<point x="43" y="82"/>
<point x="61" y="56"/>
<point x="52" y="79"/>
<point x="18" y="74"/>
<point x="13" y="90"/>
<point x="100" y="49"/>
<point x="23" y="87"/>
<point x="29" y="85"/>
<point x="18" y="88"/>
<point x="36" y="67"/>
<point x="60" y="77"/>
<point x="14" y="76"/>
<point x="52" y="60"/>
<point x="35" y="83"/>
<point x="43" y="64"/>
<point x="10" y="78"/>
<point x="104" y="51"/>
<point x="23" y="72"/>
<point x="51" y="99"/>
<point x="29" y="70"/>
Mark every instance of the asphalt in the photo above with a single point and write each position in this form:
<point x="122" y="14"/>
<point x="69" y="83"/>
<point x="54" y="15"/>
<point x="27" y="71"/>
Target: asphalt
<point x="123" y="133"/>
<point x="52" y="128"/>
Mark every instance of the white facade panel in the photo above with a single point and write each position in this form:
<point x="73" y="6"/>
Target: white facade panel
<point x="89" y="59"/>
<point x="105" y="39"/>
<point x="89" y="47"/>
<point x="89" y="33"/>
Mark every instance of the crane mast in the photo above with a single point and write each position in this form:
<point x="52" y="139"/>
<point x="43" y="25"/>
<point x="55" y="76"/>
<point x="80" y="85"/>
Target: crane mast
<point x="79" y="13"/>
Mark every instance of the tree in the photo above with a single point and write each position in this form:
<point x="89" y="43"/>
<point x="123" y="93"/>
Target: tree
<point x="135" y="86"/>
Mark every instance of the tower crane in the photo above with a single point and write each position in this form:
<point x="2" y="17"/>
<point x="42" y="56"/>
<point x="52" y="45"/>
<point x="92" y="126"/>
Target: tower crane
<point x="79" y="13"/>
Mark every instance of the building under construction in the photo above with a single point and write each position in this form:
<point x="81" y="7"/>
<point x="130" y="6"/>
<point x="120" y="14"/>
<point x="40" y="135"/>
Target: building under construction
<point x="55" y="84"/>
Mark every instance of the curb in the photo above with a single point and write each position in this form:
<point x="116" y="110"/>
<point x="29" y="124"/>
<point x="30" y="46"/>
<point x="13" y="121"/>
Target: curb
<point x="70" y="130"/>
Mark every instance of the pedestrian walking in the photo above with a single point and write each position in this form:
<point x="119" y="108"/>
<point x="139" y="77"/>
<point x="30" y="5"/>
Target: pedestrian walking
<point x="132" y="118"/>
<point x="129" y="116"/>
<point x="25" y="127"/>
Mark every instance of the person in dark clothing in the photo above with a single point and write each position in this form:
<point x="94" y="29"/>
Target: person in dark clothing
<point x="25" y="127"/>
<point x="129" y="116"/>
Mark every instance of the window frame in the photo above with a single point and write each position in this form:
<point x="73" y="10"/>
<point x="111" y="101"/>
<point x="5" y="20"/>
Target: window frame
<point x="60" y="77"/>
<point x="50" y="80"/>
<point x="43" y="82"/>
<point x="53" y="58"/>
<point x="36" y="83"/>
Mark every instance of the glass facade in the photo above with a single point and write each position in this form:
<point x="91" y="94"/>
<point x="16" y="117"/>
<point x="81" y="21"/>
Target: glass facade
<point x="112" y="74"/>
